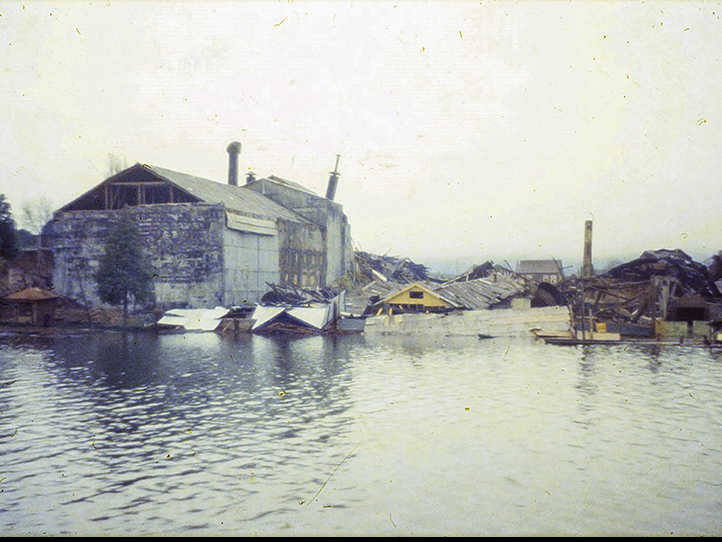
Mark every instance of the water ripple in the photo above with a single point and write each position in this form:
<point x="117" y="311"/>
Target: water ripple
<point x="138" y="434"/>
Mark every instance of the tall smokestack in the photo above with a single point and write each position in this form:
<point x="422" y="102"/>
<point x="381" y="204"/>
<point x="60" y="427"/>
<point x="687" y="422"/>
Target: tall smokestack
<point x="233" y="149"/>
<point x="587" y="269"/>
<point x="333" y="181"/>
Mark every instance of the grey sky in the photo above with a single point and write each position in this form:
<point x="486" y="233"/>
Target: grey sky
<point x="468" y="131"/>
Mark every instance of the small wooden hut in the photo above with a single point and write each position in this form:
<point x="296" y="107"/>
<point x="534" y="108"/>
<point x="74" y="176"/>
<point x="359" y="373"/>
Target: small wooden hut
<point x="31" y="306"/>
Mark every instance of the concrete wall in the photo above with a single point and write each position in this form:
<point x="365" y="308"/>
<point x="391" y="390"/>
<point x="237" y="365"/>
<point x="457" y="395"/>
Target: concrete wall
<point x="185" y="243"/>
<point x="339" y="246"/>
<point x="76" y="241"/>
<point x="307" y="204"/>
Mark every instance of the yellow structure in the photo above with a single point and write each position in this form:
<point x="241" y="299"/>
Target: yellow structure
<point x="418" y="298"/>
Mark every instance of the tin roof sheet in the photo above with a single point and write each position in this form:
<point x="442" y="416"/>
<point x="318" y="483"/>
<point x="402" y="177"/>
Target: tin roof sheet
<point x="238" y="199"/>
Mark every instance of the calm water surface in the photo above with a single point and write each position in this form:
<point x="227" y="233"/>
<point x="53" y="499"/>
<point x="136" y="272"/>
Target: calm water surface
<point x="138" y="434"/>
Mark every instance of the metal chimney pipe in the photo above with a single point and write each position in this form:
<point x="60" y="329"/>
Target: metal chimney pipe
<point x="333" y="181"/>
<point x="233" y="149"/>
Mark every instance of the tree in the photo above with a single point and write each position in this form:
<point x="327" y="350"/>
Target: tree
<point x="8" y="231"/>
<point x="35" y="213"/>
<point x="124" y="273"/>
<point x="116" y="163"/>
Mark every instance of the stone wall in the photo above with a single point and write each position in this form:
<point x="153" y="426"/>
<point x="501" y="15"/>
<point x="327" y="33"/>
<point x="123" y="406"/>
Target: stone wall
<point x="184" y="243"/>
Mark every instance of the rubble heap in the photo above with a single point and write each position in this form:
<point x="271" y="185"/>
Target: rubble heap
<point x="483" y="286"/>
<point x="283" y="295"/>
<point x="479" y="272"/>
<point x="690" y="276"/>
<point x="372" y="267"/>
<point x="630" y="292"/>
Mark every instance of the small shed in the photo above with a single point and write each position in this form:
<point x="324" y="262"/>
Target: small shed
<point x="32" y="306"/>
<point x="541" y="270"/>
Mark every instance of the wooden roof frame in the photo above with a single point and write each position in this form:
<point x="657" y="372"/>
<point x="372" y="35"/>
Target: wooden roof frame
<point x="426" y="290"/>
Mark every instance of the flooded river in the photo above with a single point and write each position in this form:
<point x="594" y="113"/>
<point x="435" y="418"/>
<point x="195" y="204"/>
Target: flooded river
<point x="137" y="434"/>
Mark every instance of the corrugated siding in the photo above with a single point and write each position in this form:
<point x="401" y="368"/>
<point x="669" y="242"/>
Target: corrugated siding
<point x="252" y="225"/>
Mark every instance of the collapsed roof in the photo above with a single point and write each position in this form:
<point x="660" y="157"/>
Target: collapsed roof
<point x="483" y="286"/>
<point x="626" y="293"/>
<point x="373" y="267"/>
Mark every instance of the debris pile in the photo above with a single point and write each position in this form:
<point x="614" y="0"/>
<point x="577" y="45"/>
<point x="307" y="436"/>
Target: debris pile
<point x="484" y="286"/>
<point x="642" y="290"/>
<point x="480" y="271"/>
<point x="388" y="268"/>
<point x="688" y="275"/>
<point x="487" y="286"/>
<point x="285" y="295"/>
<point x="291" y="309"/>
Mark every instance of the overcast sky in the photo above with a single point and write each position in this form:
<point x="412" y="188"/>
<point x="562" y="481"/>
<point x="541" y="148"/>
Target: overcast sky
<point x="468" y="131"/>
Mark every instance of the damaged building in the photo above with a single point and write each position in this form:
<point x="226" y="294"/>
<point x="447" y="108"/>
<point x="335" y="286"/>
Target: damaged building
<point x="209" y="243"/>
<point x="663" y="293"/>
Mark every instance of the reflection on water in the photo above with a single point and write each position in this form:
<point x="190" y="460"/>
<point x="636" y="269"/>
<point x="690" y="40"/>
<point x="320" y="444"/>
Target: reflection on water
<point x="134" y="433"/>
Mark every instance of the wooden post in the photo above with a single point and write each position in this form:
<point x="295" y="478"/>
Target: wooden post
<point x="584" y="311"/>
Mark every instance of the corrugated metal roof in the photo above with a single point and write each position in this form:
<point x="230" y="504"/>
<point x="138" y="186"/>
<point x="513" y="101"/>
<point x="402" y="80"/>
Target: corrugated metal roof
<point x="238" y="199"/>
<point x="481" y="293"/>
